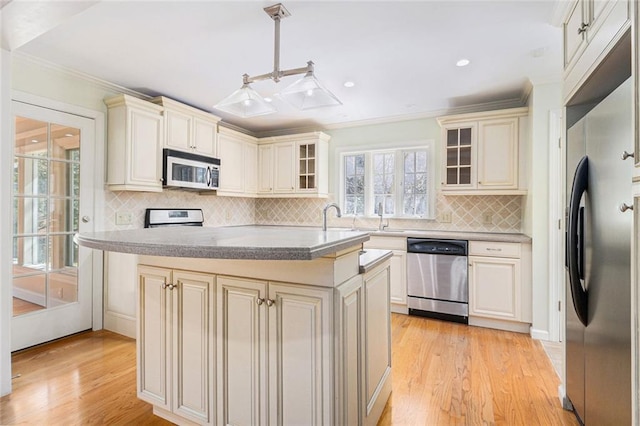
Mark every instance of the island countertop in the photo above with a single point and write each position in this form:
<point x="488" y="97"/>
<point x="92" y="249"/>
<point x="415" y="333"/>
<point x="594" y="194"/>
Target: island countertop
<point x="236" y="242"/>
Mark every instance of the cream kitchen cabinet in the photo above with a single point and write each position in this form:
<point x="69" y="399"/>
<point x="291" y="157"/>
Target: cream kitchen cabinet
<point x="591" y="29"/>
<point x="135" y="138"/>
<point x="274" y="339"/>
<point x="482" y="152"/>
<point x="500" y="285"/>
<point x="188" y="129"/>
<point x="398" y="270"/>
<point x="294" y="166"/>
<point x="238" y="163"/>
<point x="176" y="343"/>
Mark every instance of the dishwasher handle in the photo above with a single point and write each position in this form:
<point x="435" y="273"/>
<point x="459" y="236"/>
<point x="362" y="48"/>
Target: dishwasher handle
<point x="440" y="247"/>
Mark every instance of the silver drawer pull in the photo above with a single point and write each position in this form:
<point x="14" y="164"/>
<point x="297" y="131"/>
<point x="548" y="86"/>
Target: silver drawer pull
<point x="493" y="249"/>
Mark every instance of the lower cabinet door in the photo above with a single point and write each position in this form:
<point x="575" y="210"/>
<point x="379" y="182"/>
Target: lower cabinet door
<point x="349" y="332"/>
<point x="154" y="370"/>
<point x="377" y="362"/>
<point x="241" y="326"/>
<point x="494" y="287"/>
<point x="193" y="345"/>
<point x="399" y="277"/>
<point x="300" y="355"/>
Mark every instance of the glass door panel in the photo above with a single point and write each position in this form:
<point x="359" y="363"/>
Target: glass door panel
<point x="46" y="190"/>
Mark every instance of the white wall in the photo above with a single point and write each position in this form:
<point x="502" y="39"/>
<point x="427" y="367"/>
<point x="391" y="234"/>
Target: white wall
<point x="543" y="99"/>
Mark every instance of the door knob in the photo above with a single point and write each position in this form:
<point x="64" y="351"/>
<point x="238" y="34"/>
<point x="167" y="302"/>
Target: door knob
<point x="86" y="219"/>
<point x="624" y="207"/>
<point x="626" y="155"/>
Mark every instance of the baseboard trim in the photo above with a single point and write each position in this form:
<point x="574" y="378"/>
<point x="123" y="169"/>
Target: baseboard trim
<point x="518" y="327"/>
<point x="540" y="335"/>
<point x="121" y="324"/>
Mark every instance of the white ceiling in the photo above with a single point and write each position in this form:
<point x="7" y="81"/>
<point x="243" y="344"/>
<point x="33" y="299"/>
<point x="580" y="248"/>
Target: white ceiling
<point x="400" y="55"/>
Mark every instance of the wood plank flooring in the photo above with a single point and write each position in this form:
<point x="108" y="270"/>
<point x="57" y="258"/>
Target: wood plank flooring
<point x="443" y="374"/>
<point x="449" y="374"/>
<point x="21" y="306"/>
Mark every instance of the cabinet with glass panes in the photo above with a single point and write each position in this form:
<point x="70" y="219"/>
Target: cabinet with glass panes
<point x="482" y="152"/>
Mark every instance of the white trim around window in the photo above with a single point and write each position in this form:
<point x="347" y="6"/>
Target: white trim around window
<point x="396" y="193"/>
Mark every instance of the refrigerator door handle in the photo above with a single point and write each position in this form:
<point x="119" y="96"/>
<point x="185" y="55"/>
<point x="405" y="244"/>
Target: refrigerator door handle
<point x="575" y="239"/>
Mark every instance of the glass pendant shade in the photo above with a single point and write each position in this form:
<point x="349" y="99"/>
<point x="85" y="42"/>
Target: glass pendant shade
<point x="245" y="102"/>
<point x="309" y="93"/>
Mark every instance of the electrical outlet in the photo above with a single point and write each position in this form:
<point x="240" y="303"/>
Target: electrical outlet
<point x="124" y="218"/>
<point x="487" y="218"/>
<point x="445" y="217"/>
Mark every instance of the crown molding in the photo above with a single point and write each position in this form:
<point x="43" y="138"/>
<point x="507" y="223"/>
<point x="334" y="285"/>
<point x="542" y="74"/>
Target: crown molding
<point x="103" y="84"/>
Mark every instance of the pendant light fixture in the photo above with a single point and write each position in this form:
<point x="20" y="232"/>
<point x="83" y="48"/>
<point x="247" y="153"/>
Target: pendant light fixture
<point x="306" y="93"/>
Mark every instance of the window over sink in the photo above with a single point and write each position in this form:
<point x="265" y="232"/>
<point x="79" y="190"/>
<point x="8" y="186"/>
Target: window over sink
<point x="399" y="181"/>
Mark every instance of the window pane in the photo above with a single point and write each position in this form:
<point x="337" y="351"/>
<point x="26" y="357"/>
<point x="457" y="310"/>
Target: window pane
<point x="409" y="162"/>
<point x="378" y="202"/>
<point x="465" y="156"/>
<point x="360" y="184"/>
<point x="421" y="205"/>
<point x="64" y="140"/>
<point x="30" y="176"/>
<point x="360" y="205"/>
<point x="465" y="136"/>
<point x="452" y="176"/>
<point x="408" y="204"/>
<point x="63" y="253"/>
<point x="452" y="137"/>
<point x="420" y="183"/>
<point x="378" y="184"/>
<point x="63" y="287"/>
<point x="31" y="137"/>
<point x="349" y="165"/>
<point x="29" y="215"/>
<point x="388" y="184"/>
<point x="378" y="164"/>
<point x="311" y="150"/>
<point x="29" y="254"/>
<point x="360" y="164"/>
<point x="64" y="181"/>
<point x="465" y="175"/>
<point x="389" y="160"/>
<point x="421" y="161"/>
<point x="31" y="291"/>
<point x="349" y="204"/>
<point x="389" y="205"/>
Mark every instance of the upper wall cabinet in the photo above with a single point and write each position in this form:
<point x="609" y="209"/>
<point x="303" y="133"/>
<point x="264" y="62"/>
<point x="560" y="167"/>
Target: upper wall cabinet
<point x="591" y="29"/>
<point x="294" y="166"/>
<point x="238" y="155"/>
<point x="482" y="152"/>
<point x="188" y="129"/>
<point x="134" y="143"/>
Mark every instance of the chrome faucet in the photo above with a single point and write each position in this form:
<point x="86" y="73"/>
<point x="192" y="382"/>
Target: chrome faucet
<point x="380" y="225"/>
<point x="324" y="214"/>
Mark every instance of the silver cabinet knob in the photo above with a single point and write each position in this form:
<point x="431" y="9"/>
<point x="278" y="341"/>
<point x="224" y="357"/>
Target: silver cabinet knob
<point x="86" y="219"/>
<point x="270" y="302"/>
<point x="626" y="155"/>
<point x="624" y="207"/>
<point x="583" y="28"/>
<point x="259" y="301"/>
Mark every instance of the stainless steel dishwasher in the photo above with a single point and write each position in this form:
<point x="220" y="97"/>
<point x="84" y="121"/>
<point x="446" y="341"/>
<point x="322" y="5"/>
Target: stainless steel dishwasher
<point x="437" y="279"/>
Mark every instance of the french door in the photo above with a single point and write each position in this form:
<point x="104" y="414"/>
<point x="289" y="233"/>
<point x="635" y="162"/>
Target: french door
<point x="52" y="200"/>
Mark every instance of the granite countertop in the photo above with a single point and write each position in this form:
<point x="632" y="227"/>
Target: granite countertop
<point x="236" y="242"/>
<point x="456" y="235"/>
<point x="370" y="258"/>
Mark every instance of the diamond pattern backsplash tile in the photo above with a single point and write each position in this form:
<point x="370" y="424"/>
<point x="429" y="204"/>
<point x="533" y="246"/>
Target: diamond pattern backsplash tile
<point x="474" y="213"/>
<point x="499" y="213"/>
<point x="218" y="211"/>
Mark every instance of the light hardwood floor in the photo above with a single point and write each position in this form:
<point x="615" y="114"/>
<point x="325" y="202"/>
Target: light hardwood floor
<point x="443" y="374"/>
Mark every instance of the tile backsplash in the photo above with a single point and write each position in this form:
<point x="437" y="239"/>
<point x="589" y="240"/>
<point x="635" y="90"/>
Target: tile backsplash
<point x="486" y="213"/>
<point x="499" y="213"/>
<point x="218" y="211"/>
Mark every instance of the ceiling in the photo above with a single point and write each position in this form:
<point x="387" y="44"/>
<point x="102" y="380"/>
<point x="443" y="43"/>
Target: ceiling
<point x="400" y="55"/>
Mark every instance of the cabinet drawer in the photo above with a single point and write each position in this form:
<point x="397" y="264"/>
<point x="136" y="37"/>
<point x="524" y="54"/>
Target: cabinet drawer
<point x="494" y="249"/>
<point x="386" y="243"/>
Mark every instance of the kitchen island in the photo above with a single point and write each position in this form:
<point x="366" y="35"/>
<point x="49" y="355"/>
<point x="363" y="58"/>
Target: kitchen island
<point x="259" y="325"/>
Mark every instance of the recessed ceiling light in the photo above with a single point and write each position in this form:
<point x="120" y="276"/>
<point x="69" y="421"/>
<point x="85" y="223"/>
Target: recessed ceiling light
<point x="349" y="84"/>
<point x="34" y="140"/>
<point x="463" y="62"/>
<point x="267" y="99"/>
<point x="69" y="135"/>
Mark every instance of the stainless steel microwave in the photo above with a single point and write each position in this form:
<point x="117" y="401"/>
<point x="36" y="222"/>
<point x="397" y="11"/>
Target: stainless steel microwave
<point x="189" y="171"/>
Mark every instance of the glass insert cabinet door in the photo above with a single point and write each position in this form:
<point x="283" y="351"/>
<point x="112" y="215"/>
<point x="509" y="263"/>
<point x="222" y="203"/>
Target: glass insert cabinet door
<point x="46" y="202"/>
<point x="458" y="147"/>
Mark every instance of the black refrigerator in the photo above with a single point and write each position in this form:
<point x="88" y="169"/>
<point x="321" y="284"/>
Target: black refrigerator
<point x="599" y="237"/>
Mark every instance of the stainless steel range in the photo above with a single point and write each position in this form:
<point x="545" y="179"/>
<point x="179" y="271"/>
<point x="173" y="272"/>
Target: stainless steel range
<point x="156" y="218"/>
